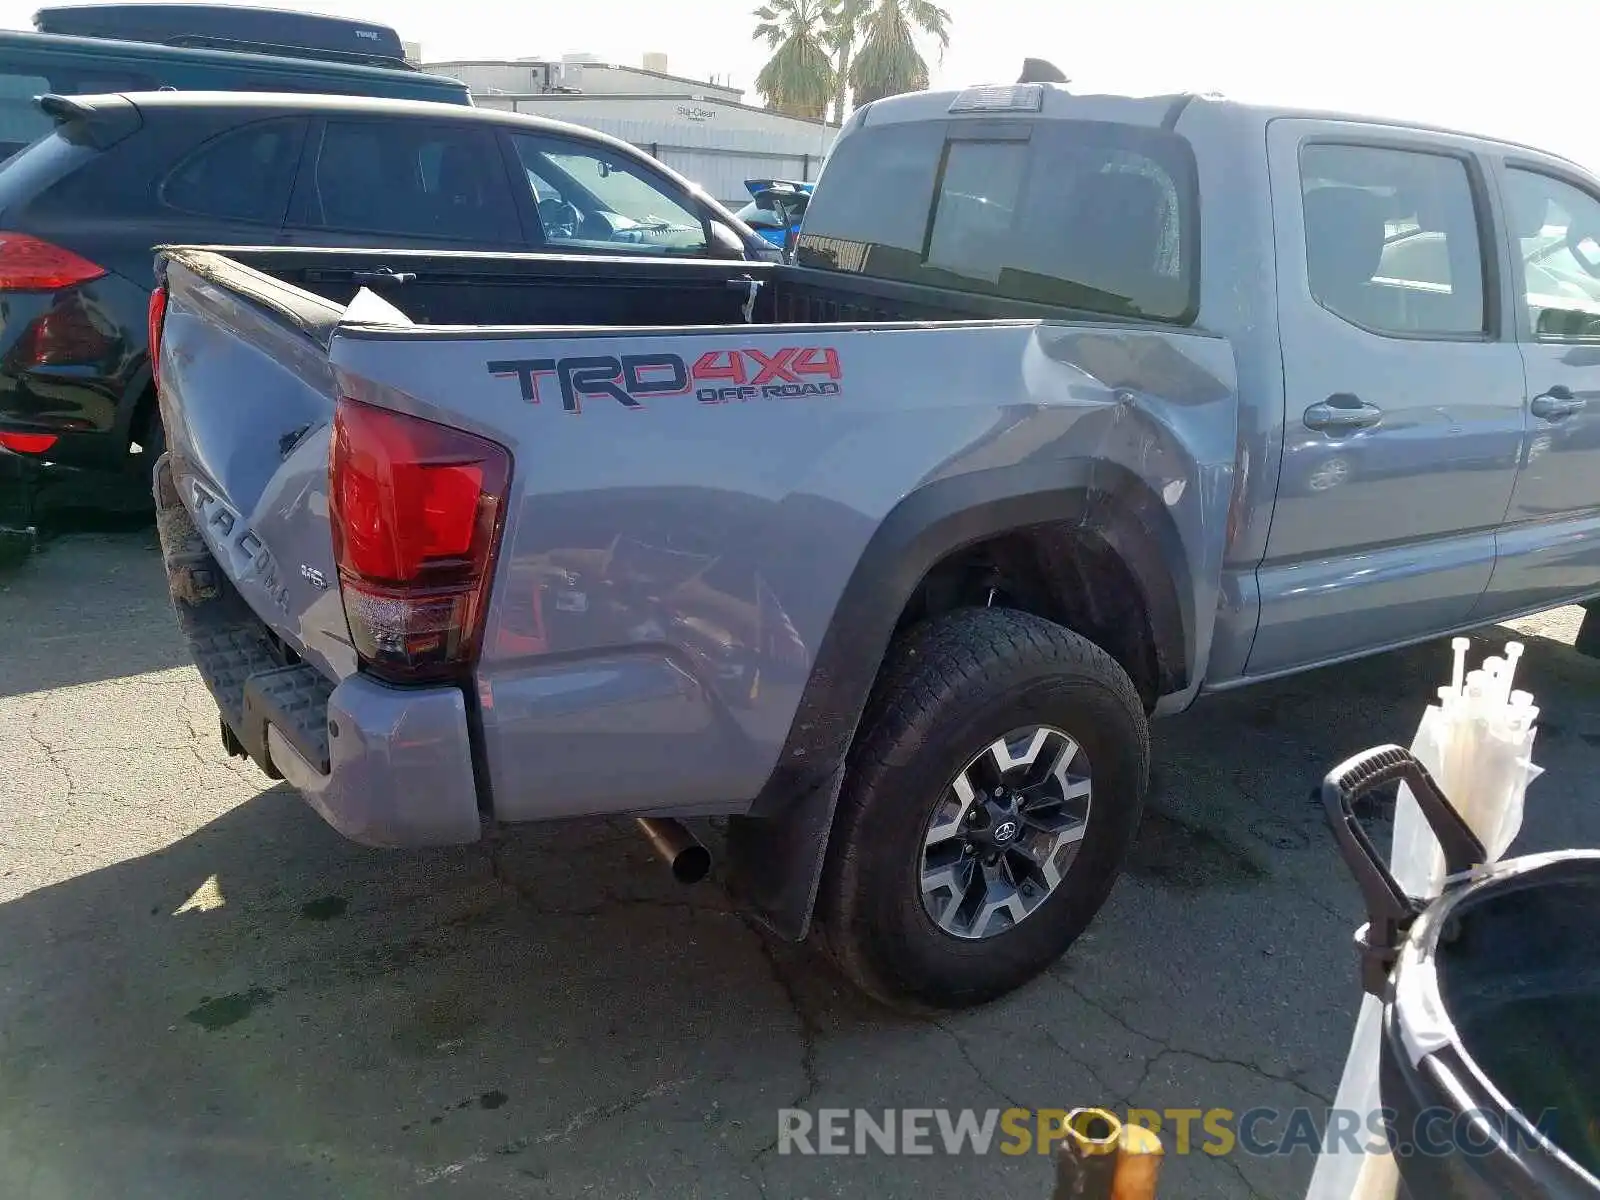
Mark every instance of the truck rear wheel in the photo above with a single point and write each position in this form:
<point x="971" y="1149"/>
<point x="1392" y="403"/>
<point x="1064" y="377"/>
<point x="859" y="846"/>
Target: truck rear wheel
<point x="988" y="803"/>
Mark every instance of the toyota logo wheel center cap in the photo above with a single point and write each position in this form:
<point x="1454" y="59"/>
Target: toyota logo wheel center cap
<point x="1004" y="832"/>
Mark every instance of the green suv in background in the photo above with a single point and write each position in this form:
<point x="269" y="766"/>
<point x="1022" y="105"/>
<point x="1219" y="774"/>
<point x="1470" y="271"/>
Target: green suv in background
<point x="96" y="49"/>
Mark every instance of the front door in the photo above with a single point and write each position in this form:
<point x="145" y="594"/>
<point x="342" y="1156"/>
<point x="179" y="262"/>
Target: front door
<point x="1403" y="416"/>
<point x="1549" y="552"/>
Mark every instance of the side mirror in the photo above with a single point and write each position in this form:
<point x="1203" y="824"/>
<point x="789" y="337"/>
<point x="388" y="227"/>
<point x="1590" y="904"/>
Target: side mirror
<point x="722" y="241"/>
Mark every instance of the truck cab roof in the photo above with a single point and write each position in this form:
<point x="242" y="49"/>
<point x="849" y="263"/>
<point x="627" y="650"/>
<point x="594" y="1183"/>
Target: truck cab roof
<point x="1051" y="101"/>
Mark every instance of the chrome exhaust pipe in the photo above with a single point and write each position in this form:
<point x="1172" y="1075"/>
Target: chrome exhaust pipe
<point x="679" y="849"/>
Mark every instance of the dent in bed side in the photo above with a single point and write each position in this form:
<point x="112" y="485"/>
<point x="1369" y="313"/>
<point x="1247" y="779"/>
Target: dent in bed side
<point x="1168" y="434"/>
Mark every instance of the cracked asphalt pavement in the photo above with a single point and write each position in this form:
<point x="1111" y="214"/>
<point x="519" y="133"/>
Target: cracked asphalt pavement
<point x="206" y="992"/>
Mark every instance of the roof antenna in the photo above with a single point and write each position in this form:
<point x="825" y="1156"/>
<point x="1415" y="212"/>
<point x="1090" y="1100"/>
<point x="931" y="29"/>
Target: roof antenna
<point x="1038" y="70"/>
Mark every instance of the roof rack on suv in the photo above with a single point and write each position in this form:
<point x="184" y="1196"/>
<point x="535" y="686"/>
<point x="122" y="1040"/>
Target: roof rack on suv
<point x="231" y="27"/>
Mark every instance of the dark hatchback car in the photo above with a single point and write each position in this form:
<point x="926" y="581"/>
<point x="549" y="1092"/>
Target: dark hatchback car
<point x="81" y="209"/>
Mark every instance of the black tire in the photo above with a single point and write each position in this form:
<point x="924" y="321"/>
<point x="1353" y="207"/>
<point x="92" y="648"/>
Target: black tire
<point x="950" y="687"/>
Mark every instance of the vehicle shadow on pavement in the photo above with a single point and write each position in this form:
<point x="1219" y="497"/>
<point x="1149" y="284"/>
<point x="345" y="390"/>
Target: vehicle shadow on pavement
<point x="262" y="1009"/>
<point x="91" y="603"/>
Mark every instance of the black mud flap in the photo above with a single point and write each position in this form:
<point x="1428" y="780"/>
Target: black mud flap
<point x="775" y="862"/>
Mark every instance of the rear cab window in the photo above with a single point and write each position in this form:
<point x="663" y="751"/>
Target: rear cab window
<point x="1088" y="215"/>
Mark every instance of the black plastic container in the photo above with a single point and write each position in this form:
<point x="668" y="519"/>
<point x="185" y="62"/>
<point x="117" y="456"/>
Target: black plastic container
<point x="1490" y="1067"/>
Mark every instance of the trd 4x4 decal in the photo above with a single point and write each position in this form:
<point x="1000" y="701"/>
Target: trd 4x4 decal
<point x="716" y="377"/>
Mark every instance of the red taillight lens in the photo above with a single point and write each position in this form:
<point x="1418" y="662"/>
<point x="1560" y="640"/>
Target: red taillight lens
<point x="416" y="510"/>
<point x="157" y="314"/>
<point x="28" y="264"/>
<point x="27" y="443"/>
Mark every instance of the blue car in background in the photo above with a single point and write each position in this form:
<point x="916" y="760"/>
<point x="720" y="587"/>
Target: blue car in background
<point x="776" y="208"/>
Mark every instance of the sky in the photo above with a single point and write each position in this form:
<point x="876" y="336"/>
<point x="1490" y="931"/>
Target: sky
<point x="1484" y="66"/>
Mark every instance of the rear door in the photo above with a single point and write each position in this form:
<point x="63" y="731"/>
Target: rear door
<point x="1549" y="553"/>
<point x="1403" y="391"/>
<point x="383" y="182"/>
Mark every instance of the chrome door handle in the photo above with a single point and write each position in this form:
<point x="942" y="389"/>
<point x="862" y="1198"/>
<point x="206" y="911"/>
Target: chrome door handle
<point x="1342" y="411"/>
<point x="1557" y="403"/>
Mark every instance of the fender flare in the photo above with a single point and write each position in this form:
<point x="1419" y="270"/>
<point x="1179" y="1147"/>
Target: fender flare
<point x="777" y="849"/>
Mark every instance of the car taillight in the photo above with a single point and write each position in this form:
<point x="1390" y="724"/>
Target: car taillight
<point x="416" y="510"/>
<point x="157" y="314"/>
<point x="30" y="264"/>
<point x="27" y="443"/>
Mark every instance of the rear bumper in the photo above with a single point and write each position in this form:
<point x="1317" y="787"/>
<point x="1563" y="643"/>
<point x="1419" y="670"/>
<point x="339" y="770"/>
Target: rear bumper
<point x="384" y="766"/>
<point x="399" y="769"/>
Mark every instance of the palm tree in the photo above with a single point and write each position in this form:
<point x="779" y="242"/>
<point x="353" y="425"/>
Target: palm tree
<point x="889" y="62"/>
<point x="844" y="27"/>
<point x="799" y="78"/>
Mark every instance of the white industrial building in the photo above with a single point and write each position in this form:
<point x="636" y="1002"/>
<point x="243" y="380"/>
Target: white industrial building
<point x="702" y="130"/>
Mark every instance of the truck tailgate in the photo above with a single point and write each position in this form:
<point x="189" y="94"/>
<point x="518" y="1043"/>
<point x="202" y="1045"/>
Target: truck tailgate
<point x="247" y="400"/>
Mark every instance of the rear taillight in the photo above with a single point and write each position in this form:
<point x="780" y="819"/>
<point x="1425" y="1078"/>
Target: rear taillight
<point x="157" y="314"/>
<point x="27" y="443"/>
<point x="416" y="510"/>
<point x="29" y="264"/>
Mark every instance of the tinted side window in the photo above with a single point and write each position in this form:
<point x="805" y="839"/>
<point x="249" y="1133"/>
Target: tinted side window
<point x="1392" y="240"/>
<point x="245" y="174"/>
<point x="1078" y="214"/>
<point x="589" y="198"/>
<point x="20" y="121"/>
<point x="21" y="80"/>
<point x="1557" y="227"/>
<point x="400" y="177"/>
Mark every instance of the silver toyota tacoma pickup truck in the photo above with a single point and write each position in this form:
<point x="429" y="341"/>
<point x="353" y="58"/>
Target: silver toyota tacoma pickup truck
<point x="1069" y="410"/>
